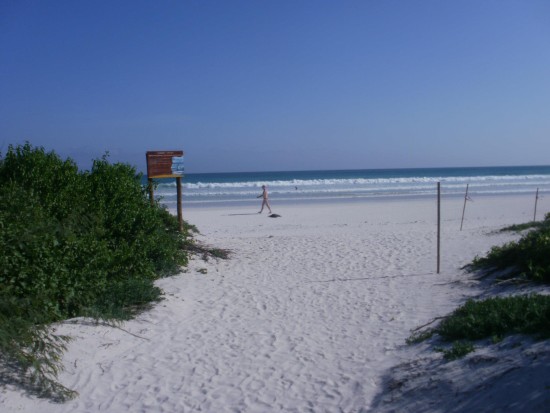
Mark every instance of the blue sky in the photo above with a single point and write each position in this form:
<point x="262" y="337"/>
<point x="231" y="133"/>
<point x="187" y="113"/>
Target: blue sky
<point x="279" y="85"/>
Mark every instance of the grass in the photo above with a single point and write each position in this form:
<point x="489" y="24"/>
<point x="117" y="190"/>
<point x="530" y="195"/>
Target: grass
<point x="525" y="226"/>
<point x="498" y="317"/>
<point x="492" y="318"/>
<point x="457" y="350"/>
<point x="529" y="258"/>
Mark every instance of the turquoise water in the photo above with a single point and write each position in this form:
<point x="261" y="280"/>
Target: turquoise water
<point x="311" y="186"/>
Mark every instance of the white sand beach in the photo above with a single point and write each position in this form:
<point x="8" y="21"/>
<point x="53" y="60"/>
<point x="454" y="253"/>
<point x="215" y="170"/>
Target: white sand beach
<point x="310" y="314"/>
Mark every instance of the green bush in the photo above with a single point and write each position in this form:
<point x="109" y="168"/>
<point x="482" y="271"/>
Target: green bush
<point x="123" y="299"/>
<point x="498" y="317"/>
<point x="530" y="256"/>
<point x="75" y="244"/>
<point x="492" y="318"/>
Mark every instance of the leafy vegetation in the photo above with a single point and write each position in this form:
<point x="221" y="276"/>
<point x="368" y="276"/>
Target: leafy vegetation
<point x="530" y="256"/>
<point x="497" y="317"/>
<point x="526" y="226"/>
<point x="74" y="244"/>
<point x="493" y="319"/>
<point x="458" y="350"/>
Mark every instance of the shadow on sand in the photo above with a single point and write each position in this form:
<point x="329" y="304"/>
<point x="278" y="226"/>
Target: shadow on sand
<point x="250" y="213"/>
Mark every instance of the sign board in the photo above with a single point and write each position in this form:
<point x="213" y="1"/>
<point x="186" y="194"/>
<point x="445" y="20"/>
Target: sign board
<point x="164" y="164"/>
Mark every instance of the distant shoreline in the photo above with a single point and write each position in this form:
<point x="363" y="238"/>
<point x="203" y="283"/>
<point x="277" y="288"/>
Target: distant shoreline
<point x="396" y="198"/>
<point x="312" y="187"/>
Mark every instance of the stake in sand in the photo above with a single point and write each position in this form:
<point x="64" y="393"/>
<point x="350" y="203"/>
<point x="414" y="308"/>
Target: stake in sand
<point x="466" y="198"/>
<point x="536" y="201"/>
<point x="438" y="225"/>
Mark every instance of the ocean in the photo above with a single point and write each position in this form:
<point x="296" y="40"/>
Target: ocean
<point x="318" y="186"/>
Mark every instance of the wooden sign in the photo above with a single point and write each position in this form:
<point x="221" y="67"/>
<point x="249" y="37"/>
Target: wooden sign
<point x="164" y="164"/>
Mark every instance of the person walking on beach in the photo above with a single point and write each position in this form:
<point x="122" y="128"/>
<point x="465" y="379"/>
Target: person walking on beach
<point x="265" y="201"/>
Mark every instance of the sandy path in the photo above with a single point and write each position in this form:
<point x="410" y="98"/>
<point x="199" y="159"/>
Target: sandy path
<point x="308" y="315"/>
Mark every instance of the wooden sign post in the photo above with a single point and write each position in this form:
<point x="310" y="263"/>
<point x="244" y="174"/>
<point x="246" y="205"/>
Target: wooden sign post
<point x="166" y="164"/>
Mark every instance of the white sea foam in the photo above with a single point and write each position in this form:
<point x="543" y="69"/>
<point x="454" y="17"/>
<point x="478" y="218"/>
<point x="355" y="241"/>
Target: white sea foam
<point x="318" y="189"/>
<point x="361" y="181"/>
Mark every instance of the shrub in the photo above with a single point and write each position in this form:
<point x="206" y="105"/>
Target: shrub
<point x="530" y="256"/>
<point x="31" y="351"/>
<point x="123" y="299"/>
<point x="74" y="244"/>
<point x="498" y="317"/>
<point x="492" y="318"/>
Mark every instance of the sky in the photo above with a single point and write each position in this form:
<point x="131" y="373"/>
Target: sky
<point x="279" y="85"/>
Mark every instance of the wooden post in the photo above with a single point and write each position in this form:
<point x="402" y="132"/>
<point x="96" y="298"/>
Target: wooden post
<point x="438" y="225"/>
<point x="536" y="201"/>
<point x="180" y="213"/>
<point x="151" y="191"/>
<point x="464" y="207"/>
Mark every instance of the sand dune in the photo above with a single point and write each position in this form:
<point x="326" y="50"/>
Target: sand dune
<point x="311" y="313"/>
